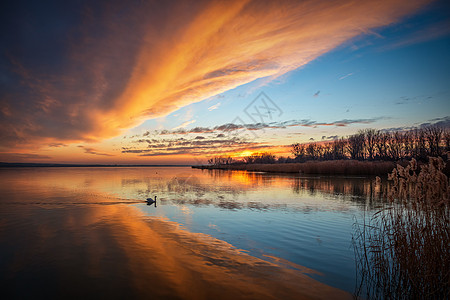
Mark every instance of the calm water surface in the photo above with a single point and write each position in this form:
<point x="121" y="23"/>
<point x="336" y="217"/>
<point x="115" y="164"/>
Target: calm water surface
<point x="74" y="232"/>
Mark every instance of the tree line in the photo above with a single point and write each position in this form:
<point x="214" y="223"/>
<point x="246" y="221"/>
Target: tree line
<point x="367" y="144"/>
<point x="372" y="144"/>
<point x="255" y="158"/>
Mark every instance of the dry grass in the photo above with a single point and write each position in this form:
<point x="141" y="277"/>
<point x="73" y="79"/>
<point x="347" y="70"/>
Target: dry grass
<point x="332" y="167"/>
<point x="347" y="167"/>
<point x="403" y="250"/>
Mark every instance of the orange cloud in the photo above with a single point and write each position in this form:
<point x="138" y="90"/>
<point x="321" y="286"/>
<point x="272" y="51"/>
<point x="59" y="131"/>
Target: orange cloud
<point x="229" y="45"/>
<point x="136" y="67"/>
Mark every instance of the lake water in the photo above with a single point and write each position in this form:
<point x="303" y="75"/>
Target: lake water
<point x="77" y="232"/>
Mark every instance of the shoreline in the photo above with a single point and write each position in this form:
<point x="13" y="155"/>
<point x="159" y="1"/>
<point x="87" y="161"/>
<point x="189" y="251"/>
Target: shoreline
<point x="331" y="167"/>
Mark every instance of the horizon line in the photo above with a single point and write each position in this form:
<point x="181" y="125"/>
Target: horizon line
<point x="17" y="164"/>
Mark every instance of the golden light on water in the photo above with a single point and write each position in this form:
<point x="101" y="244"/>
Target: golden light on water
<point x="86" y="211"/>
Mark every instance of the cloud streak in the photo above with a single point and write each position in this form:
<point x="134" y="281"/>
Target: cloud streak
<point x="93" y="151"/>
<point x="231" y="127"/>
<point x="345" y="76"/>
<point x="195" y="146"/>
<point x="183" y="125"/>
<point x="213" y="107"/>
<point x="101" y="68"/>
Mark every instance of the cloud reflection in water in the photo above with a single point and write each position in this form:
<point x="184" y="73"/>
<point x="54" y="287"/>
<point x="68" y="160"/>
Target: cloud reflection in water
<point x="61" y="241"/>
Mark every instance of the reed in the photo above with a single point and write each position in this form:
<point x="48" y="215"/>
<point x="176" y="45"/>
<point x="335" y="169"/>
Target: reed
<point x="330" y="167"/>
<point x="402" y="251"/>
<point x="347" y="167"/>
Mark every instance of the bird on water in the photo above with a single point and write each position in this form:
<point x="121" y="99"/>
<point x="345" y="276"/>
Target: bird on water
<point x="150" y="201"/>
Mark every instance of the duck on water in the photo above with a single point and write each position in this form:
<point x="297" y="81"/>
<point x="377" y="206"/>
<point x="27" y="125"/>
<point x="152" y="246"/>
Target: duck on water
<point x="150" y="201"/>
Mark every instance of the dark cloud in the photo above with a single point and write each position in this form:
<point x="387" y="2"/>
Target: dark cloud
<point x="93" y="151"/>
<point x="346" y="122"/>
<point x="198" y="145"/>
<point x="57" y="145"/>
<point x="401" y="128"/>
<point x="230" y="127"/>
<point x="331" y="137"/>
<point x="202" y="150"/>
<point x="63" y="61"/>
<point x="442" y="122"/>
<point x="214" y="139"/>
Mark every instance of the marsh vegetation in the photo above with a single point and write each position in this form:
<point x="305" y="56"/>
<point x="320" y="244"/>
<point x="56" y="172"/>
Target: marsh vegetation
<point x="367" y="152"/>
<point x="402" y="250"/>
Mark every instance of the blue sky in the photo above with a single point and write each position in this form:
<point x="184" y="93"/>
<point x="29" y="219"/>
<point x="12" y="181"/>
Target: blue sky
<point x="398" y="75"/>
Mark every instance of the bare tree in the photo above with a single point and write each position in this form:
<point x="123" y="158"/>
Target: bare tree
<point x="266" y="158"/>
<point x="356" y="145"/>
<point x="373" y="144"/>
<point x="260" y="158"/>
<point x="311" y="150"/>
<point x="381" y="144"/>
<point x="370" y="139"/>
<point x="408" y="144"/>
<point x="434" y="136"/>
<point x="420" y="144"/>
<point x="447" y="139"/>
<point x="395" y="145"/>
<point x="299" y="151"/>
<point x="327" y="151"/>
<point x="339" y="148"/>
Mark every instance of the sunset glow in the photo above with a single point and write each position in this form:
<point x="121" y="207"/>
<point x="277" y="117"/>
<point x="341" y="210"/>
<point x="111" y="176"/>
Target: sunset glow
<point x="224" y="149"/>
<point x="149" y="83"/>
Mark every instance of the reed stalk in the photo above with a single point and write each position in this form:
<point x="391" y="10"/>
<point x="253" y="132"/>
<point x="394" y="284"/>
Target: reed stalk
<point x="402" y="250"/>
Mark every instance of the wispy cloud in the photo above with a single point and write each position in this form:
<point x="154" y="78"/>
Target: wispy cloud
<point x="345" y="76"/>
<point x="216" y="106"/>
<point x="183" y="125"/>
<point x="428" y="33"/>
<point x="123" y="64"/>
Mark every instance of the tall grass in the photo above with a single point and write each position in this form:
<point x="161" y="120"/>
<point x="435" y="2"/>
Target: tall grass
<point x="330" y="167"/>
<point x="402" y="251"/>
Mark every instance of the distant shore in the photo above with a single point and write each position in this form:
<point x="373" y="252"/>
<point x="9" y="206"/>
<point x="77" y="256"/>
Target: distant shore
<point x="50" y="165"/>
<point x="333" y="167"/>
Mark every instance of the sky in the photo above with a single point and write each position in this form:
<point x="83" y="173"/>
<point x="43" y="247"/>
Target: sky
<point x="179" y="82"/>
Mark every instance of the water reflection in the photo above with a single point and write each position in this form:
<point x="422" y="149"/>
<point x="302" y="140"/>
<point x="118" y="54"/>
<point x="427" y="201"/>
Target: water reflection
<point x="346" y="186"/>
<point x="62" y="235"/>
<point x="100" y="215"/>
<point x="229" y="189"/>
